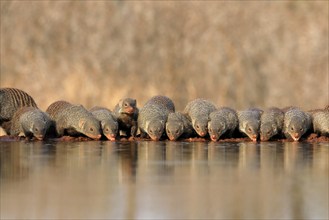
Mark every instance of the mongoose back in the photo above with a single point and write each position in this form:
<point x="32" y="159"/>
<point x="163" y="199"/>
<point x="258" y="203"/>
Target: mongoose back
<point x="11" y="100"/>
<point x="198" y="110"/>
<point x="224" y="120"/>
<point x="108" y="121"/>
<point x="249" y="122"/>
<point x="153" y="116"/>
<point x="320" y="120"/>
<point x="271" y="123"/>
<point x="126" y="112"/>
<point x="296" y="123"/>
<point x="73" y="120"/>
<point x="30" y="121"/>
<point x="178" y="125"/>
<point x="164" y="102"/>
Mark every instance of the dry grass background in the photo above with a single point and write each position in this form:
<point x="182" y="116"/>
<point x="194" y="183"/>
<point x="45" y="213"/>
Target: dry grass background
<point x="239" y="54"/>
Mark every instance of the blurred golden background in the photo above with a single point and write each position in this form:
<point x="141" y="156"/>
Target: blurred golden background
<point x="238" y="54"/>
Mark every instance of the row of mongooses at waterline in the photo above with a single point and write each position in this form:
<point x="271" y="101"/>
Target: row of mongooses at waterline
<point x="157" y="120"/>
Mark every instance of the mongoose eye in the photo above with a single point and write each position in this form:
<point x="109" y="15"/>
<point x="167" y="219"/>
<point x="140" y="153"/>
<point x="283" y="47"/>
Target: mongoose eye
<point x="249" y="129"/>
<point x="151" y="131"/>
<point x="107" y="130"/>
<point x="268" y="132"/>
<point x="36" y="129"/>
<point x="176" y="132"/>
<point x="125" y="105"/>
<point x="91" y="129"/>
<point x="301" y="129"/>
<point x="292" y="128"/>
<point x="168" y="131"/>
<point x="197" y="126"/>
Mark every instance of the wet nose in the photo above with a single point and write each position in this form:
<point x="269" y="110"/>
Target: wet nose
<point x="172" y="138"/>
<point x="39" y="137"/>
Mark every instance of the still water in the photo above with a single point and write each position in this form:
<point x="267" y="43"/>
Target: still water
<point x="151" y="180"/>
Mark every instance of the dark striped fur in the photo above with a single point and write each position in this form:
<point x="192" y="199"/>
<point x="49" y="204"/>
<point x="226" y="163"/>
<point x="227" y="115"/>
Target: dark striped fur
<point x="11" y="100"/>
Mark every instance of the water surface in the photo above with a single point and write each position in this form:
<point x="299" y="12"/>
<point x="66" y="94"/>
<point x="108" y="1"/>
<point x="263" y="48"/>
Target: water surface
<point x="150" y="180"/>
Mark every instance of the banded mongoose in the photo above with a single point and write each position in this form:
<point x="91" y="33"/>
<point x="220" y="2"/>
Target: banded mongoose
<point x="11" y="100"/>
<point x="271" y="123"/>
<point x="153" y="116"/>
<point x="126" y="112"/>
<point x="73" y="120"/>
<point x="320" y="121"/>
<point x="163" y="102"/>
<point x="249" y="122"/>
<point x="222" y="121"/>
<point x="179" y="126"/>
<point x="109" y="123"/>
<point x="30" y="121"/>
<point x="198" y="111"/>
<point x="296" y="123"/>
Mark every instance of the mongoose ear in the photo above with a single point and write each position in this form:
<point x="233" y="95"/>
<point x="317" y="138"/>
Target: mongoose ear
<point x="81" y="123"/>
<point x="274" y="128"/>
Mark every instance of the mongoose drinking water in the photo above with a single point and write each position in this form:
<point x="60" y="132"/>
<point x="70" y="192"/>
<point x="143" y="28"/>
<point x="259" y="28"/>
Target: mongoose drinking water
<point x="11" y="100"/>
<point x="153" y="116"/>
<point x="320" y="119"/>
<point x="178" y="125"/>
<point x="222" y="121"/>
<point x="30" y="121"/>
<point x="126" y="112"/>
<point x="249" y="122"/>
<point x="108" y="121"/>
<point x="296" y="123"/>
<point x="198" y="111"/>
<point x="73" y="120"/>
<point x="271" y="123"/>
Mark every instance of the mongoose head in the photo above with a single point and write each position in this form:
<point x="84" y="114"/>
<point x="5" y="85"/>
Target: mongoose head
<point x="321" y="122"/>
<point x="110" y="129"/>
<point x="252" y="129"/>
<point x="174" y="129"/>
<point x="267" y="131"/>
<point x="35" y="123"/>
<point x="201" y="126"/>
<point x="155" y="129"/>
<point x="216" y="129"/>
<point x="296" y="128"/>
<point x="127" y="106"/>
<point x="90" y="127"/>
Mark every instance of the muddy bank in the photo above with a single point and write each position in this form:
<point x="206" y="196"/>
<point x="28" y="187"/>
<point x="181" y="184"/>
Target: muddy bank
<point x="310" y="138"/>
